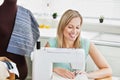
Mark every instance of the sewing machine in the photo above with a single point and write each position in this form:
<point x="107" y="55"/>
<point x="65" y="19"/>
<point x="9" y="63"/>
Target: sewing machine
<point x="43" y="59"/>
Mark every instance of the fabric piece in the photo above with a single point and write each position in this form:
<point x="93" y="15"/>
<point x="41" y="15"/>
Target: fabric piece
<point x="25" y="33"/>
<point x="3" y="72"/>
<point x="78" y="77"/>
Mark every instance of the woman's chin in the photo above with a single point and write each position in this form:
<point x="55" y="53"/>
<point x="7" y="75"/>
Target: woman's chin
<point x="72" y="39"/>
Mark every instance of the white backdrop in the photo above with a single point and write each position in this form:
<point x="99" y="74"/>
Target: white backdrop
<point x="88" y="8"/>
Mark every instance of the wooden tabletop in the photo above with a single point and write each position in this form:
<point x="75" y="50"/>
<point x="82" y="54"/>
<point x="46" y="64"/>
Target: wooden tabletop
<point x="107" y="78"/>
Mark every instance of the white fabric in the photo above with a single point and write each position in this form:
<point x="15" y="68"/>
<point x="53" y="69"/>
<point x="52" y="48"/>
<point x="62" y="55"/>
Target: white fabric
<point x="3" y="71"/>
<point x="14" y="70"/>
<point x="78" y="77"/>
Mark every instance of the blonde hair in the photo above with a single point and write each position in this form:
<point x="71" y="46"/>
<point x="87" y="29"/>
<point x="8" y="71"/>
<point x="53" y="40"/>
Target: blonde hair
<point x="65" y="19"/>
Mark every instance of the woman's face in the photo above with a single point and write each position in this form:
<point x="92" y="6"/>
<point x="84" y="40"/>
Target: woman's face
<point x="72" y="30"/>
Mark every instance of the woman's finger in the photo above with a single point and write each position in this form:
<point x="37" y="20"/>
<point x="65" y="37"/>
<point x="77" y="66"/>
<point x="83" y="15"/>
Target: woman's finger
<point x="70" y="75"/>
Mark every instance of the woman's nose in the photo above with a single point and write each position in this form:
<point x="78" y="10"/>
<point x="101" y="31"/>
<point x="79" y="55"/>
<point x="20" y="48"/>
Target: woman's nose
<point x="74" y="30"/>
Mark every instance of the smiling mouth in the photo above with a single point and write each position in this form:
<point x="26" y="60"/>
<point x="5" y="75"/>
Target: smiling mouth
<point x="72" y="36"/>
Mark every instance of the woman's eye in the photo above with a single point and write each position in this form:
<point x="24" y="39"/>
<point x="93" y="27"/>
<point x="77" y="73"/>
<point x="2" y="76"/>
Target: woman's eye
<point x="70" y="27"/>
<point x="77" y="28"/>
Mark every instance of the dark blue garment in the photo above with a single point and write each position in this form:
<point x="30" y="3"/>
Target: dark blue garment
<point x="25" y="33"/>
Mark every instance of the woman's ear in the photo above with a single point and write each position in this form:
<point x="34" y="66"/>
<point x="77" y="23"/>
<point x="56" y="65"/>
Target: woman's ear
<point x="1" y="2"/>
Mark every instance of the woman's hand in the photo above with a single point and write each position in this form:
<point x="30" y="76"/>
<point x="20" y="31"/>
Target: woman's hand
<point x="80" y="72"/>
<point x="64" y="73"/>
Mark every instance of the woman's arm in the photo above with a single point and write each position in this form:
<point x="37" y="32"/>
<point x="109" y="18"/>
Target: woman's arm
<point x="47" y="45"/>
<point x="98" y="58"/>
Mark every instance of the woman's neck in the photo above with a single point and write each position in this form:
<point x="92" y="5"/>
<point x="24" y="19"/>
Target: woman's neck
<point x="68" y="44"/>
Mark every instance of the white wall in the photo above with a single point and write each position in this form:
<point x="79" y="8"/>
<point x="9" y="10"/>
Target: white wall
<point x="89" y="8"/>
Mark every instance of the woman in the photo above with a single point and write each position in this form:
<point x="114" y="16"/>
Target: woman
<point x="68" y="36"/>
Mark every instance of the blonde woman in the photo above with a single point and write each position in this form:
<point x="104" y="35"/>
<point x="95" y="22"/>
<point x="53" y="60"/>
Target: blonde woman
<point x="68" y="36"/>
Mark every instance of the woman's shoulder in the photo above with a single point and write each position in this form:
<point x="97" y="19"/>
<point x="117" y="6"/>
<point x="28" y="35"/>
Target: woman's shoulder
<point x="52" y="39"/>
<point x="85" y="43"/>
<point x="84" y="40"/>
<point x="52" y="42"/>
